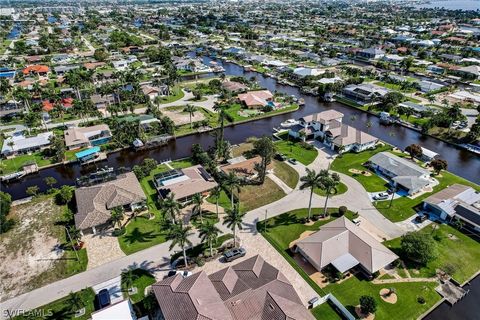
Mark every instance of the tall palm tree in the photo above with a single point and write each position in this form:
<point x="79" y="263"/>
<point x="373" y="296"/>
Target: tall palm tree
<point x="216" y="192"/>
<point x="117" y="215"/>
<point x="75" y="302"/>
<point x="11" y="144"/>
<point x="222" y="115"/>
<point x="179" y="234"/>
<point x="232" y="183"/>
<point x="198" y="200"/>
<point x="311" y="180"/>
<point x="191" y="112"/>
<point x="171" y="207"/>
<point x="328" y="183"/>
<point x="233" y="220"/>
<point x="209" y="233"/>
<point x="128" y="277"/>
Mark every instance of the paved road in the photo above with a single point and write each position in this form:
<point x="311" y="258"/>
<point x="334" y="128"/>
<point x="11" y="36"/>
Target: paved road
<point x="157" y="258"/>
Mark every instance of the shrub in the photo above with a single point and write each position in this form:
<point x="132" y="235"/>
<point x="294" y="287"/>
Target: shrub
<point x="342" y="210"/>
<point x="368" y="304"/>
<point x="421" y="300"/>
<point x="419" y="247"/>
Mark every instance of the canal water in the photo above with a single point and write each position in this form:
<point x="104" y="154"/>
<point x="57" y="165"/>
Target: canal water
<point x="460" y="162"/>
<point x="466" y="309"/>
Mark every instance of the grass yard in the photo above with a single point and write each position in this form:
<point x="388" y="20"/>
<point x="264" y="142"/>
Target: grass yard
<point x="233" y="110"/>
<point x="142" y="233"/>
<point x="283" y="229"/>
<point x="195" y="251"/>
<point x="295" y="150"/>
<point x="144" y="279"/>
<point x="182" y="163"/>
<point x="325" y="311"/>
<point x="238" y="150"/>
<point x="60" y="309"/>
<point x="460" y="251"/>
<point x="177" y="94"/>
<point x="349" y="161"/>
<point x="341" y="189"/>
<point x="15" y="164"/>
<point x="286" y="173"/>
<point x="404" y="207"/>
<point x="252" y="196"/>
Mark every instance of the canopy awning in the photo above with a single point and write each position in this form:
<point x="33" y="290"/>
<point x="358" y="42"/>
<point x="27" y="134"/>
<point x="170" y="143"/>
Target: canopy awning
<point x="345" y="262"/>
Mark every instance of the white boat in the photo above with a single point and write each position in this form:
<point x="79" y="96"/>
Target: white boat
<point x="288" y="123"/>
<point x="471" y="148"/>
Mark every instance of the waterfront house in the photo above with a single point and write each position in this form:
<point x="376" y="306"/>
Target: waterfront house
<point x="234" y="87"/>
<point x="184" y="183"/>
<point x="328" y="128"/>
<point x="402" y="173"/>
<point x="256" y="99"/>
<point x="244" y="167"/>
<point x="252" y="289"/>
<point x="457" y="201"/>
<point x="364" y="93"/>
<point x="370" y="53"/>
<point x="307" y="72"/>
<point x="22" y="144"/>
<point x="95" y="203"/>
<point x="344" y="245"/>
<point x="81" y="137"/>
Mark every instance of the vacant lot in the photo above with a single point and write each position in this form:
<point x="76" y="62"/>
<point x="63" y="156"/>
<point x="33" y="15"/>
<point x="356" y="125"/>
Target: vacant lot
<point x="31" y="251"/>
<point x="179" y="117"/>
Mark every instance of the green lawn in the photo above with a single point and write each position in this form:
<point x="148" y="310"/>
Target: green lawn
<point x="182" y="163"/>
<point x="341" y="189"/>
<point x="252" y="196"/>
<point x="177" y="94"/>
<point x="461" y="251"/>
<point x="325" y="312"/>
<point x="60" y="309"/>
<point x="144" y="279"/>
<point x="286" y="173"/>
<point x="293" y="149"/>
<point x="15" y="164"/>
<point x="349" y="160"/>
<point x="404" y="207"/>
<point x="233" y="110"/>
<point x="285" y="228"/>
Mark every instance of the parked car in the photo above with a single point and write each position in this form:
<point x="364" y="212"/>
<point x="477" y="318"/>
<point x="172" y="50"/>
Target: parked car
<point x="280" y="157"/>
<point x="421" y="218"/>
<point x="180" y="262"/>
<point x="380" y="196"/>
<point x="292" y="160"/>
<point x="234" y="254"/>
<point x="171" y="273"/>
<point x="103" y="298"/>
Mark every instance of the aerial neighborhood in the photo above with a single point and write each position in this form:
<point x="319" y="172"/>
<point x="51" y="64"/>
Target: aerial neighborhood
<point x="309" y="159"/>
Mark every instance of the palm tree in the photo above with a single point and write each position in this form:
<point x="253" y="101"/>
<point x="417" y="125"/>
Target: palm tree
<point x="222" y="114"/>
<point x="198" y="200"/>
<point x="232" y="183"/>
<point x="171" y="207"/>
<point x="128" y="278"/>
<point x="312" y="180"/>
<point x="11" y="144"/>
<point x="117" y="215"/>
<point x="216" y="192"/>
<point x="328" y="183"/>
<point x="179" y="236"/>
<point x="233" y="220"/>
<point x="191" y="112"/>
<point x="209" y="233"/>
<point x="75" y="302"/>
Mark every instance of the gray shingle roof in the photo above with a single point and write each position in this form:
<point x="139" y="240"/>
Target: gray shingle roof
<point x="396" y="165"/>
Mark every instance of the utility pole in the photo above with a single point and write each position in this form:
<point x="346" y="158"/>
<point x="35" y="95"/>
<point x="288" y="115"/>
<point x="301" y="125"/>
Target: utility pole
<point x="71" y="243"/>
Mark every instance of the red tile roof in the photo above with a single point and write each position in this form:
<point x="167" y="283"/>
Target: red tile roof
<point x="37" y="68"/>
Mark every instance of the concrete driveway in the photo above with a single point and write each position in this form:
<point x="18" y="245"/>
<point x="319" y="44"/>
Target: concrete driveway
<point x="114" y="287"/>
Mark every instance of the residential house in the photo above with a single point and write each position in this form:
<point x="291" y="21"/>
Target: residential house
<point x="154" y="91"/>
<point x="418" y="109"/>
<point x="234" y="87"/>
<point x="344" y="245"/>
<point x="364" y="93"/>
<point x="472" y="72"/>
<point x="22" y="144"/>
<point x="457" y="201"/>
<point x="81" y="137"/>
<point x="307" y="72"/>
<point x="370" y="53"/>
<point x="243" y="167"/>
<point x="95" y="203"/>
<point x="327" y="127"/>
<point x="184" y="183"/>
<point x="404" y="174"/>
<point x="428" y="86"/>
<point x="61" y="70"/>
<point x="252" y="289"/>
<point x="36" y="69"/>
<point x="256" y="99"/>
<point x="101" y="102"/>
